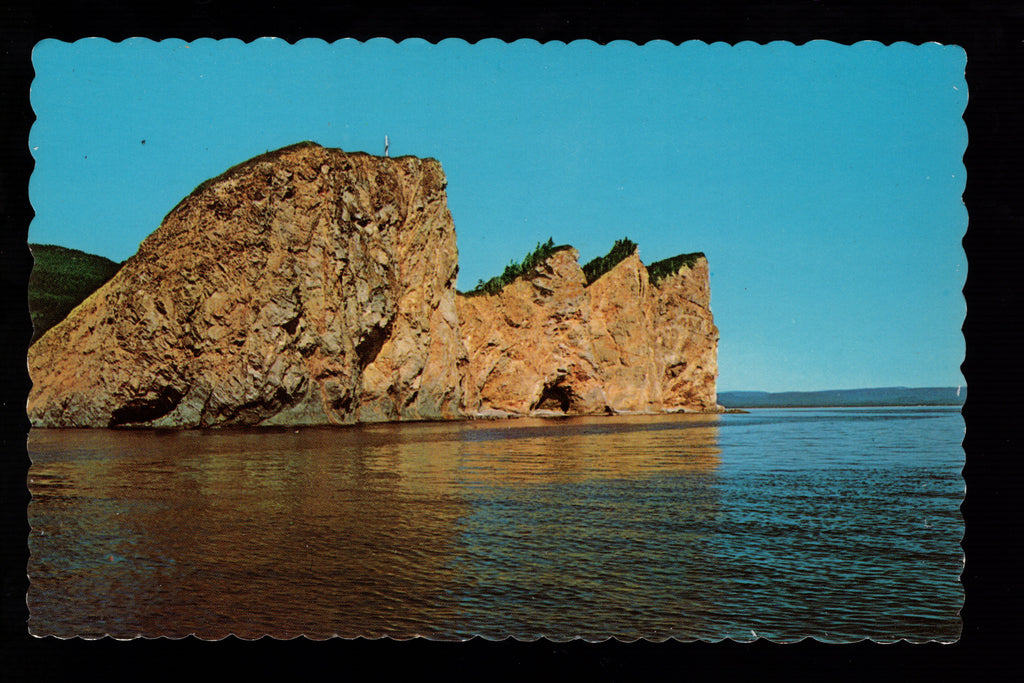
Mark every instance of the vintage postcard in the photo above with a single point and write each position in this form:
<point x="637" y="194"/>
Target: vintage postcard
<point x="565" y="341"/>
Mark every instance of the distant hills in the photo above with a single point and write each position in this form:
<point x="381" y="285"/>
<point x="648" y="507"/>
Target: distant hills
<point x="885" y="396"/>
<point x="61" y="279"/>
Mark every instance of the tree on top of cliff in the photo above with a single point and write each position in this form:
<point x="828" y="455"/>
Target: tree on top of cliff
<point x="660" y="270"/>
<point x="515" y="270"/>
<point x="602" y="264"/>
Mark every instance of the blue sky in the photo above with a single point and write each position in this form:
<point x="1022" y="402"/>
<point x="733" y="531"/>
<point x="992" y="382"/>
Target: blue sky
<point x="823" y="181"/>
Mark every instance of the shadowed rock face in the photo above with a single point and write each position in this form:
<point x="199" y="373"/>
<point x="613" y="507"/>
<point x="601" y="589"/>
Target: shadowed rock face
<point x="306" y="286"/>
<point x="312" y="286"/>
<point x="550" y="343"/>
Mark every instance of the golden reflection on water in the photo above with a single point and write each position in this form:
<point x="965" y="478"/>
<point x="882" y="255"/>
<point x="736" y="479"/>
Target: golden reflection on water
<point x="591" y="448"/>
<point x="319" y="531"/>
<point x="538" y="451"/>
<point x="839" y="525"/>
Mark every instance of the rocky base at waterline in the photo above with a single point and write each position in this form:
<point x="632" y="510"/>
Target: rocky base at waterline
<point x="314" y="286"/>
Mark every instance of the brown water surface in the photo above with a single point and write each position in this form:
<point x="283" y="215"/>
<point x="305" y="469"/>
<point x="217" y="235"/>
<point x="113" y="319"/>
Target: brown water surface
<point x="669" y="526"/>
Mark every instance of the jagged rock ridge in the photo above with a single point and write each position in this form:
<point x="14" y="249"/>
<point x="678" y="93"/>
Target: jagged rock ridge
<point x="550" y="342"/>
<point x="314" y="286"/>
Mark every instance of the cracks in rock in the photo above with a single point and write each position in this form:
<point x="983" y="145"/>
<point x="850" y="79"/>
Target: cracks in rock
<point x="699" y="305"/>
<point x="673" y="371"/>
<point x="342" y="405"/>
<point x="372" y="341"/>
<point x="282" y="398"/>
<point x="292" y="325"/>
<point x="411" y="398"/>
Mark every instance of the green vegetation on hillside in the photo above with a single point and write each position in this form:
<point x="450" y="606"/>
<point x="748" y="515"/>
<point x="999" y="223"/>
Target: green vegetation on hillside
<point x="594" y="269"/>
<point x="660" y="270"/>
<point x="514" y="270"/>
<point x="61" y="279"/>
<point x="602" y="264"/>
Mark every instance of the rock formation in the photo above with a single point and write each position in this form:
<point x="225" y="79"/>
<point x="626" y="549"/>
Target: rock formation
<point x="548" y="342"/>
<point x="313" y="286"/>
<point x="306" y="286"/>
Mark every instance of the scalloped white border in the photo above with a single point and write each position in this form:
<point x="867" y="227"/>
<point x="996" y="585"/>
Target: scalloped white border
<point x="746" y="45"/>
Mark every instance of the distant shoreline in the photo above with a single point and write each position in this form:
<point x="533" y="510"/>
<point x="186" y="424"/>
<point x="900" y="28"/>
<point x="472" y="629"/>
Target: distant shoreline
<point x="882" y="397"/>
<point x="921" y="405"/>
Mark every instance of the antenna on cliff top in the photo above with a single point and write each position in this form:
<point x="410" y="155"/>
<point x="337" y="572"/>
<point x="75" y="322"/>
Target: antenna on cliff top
<point x="385" y="145"/>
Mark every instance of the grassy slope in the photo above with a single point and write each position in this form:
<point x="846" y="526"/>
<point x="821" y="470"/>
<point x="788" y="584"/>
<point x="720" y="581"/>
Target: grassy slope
<point x="61" y="279"/>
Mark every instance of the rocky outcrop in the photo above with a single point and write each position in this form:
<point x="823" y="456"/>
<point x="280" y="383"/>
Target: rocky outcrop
<point x="686" y="339"/>
<point x="306" y="286"/>
<point x="313" y="286"/>
<point x="549" y="343"/>
<point x="530" y="347"/>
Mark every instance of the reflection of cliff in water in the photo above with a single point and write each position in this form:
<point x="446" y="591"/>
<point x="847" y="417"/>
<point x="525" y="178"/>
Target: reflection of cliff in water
<point x="232" y="532"/>
<point x="542" y="451"/>
<point x="807" y="523"/>
<point x="430" y="528"/>
<point x="588" y="526"/>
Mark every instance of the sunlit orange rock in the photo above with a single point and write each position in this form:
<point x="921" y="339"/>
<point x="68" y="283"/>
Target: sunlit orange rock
<point x="549" y="343"/>
<point x="314" y="286"/>
<point x="305" y="286"/>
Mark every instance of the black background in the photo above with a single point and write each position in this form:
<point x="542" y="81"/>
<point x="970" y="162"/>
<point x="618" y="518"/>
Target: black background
<point x="992" y="33"/>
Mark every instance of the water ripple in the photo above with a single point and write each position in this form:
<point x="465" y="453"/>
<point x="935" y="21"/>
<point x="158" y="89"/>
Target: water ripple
<point x="835" y="524"/>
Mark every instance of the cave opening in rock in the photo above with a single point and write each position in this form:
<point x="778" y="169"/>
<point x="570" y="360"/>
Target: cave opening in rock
<point x="147" y="409"/>
<point x="554" y="398"/>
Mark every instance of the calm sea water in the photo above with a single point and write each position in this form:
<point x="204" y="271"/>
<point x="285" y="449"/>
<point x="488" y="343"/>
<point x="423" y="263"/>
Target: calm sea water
<point x="837" y="524"/>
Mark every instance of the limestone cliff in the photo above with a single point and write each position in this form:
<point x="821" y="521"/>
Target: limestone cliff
<point x="548" y="342"/>
<point x="314" y="286"/>
<point x="306" y="286"/>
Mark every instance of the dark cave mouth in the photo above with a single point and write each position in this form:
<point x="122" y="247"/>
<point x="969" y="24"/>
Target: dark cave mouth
<point x="555" y="398"/>
<point x="146" y="409"/>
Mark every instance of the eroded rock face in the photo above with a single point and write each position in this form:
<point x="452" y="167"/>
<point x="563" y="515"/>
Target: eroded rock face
<point x="306" y="286"/>
<point x="530" y="347"/>
<point x="313" y="286"/>
<point x="686" y="339"/>
<point x="548" y="342"/>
